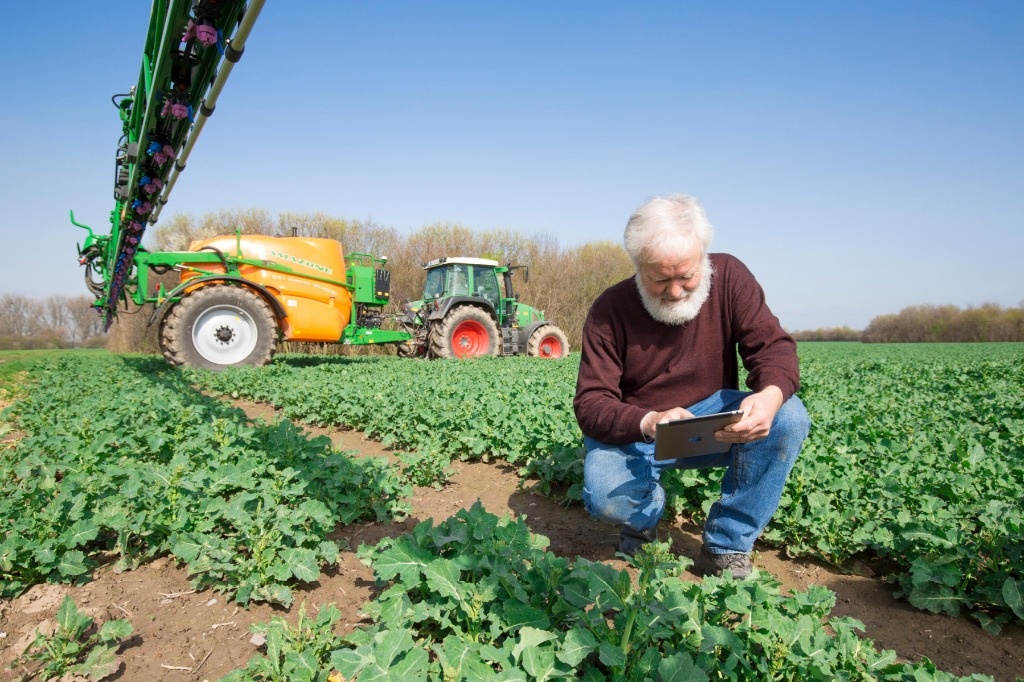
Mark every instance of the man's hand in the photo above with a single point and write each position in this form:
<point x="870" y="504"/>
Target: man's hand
<point x="650" y="421"/>
<point x="759" y="410"/>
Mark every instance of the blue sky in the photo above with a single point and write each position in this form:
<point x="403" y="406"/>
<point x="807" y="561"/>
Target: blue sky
<point x="860" y="157"/>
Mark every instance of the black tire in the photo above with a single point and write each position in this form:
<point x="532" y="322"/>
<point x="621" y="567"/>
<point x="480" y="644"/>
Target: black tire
<point x="549" y="342"/>
<point x="217" y="327"/>
<point x="465" y="332"/>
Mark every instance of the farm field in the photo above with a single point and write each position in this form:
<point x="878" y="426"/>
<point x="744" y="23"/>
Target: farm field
<point x="907" y="486"/>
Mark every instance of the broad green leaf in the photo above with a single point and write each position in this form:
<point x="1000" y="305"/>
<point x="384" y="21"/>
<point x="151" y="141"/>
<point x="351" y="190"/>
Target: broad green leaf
<point x="301" y="666"/>
<point x="395" y="658"/>
<point x="540" y="663"/>
<point x="936" y="599"/>
<point x="401" y="560"/>
<point x="81" y="532"/>
<point x="115" y="630"/>
<point x="611" y="655"/>
<point x="44" y="556"/>
<point x="607" y="585"/>
<point x="102" y="662"/>
<point x="578" y="644"/>
<point x="515" y="614"/>
<point x="443" y="578"/>
<point x="531" y="638"/>
<point x="70" y="619"/>
<point x="302" y="563"/>
<point x="72" y="563"/>
<point x="679" y="667"/>
<point x="1012" y="593"/>
<point x="461" y="659"/>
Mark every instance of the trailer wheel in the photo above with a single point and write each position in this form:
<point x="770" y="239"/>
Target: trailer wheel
<point x="218" y="327"/>
<point x="466" y="332"/>
<point x="548" y="341"/>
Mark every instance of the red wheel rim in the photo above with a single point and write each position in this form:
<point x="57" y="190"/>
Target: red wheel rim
<point x="470" y="339"/>
<point x="550" y="347"/>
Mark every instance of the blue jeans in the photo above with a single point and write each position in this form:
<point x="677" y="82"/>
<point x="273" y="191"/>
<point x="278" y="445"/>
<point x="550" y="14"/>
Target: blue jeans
<point x="621" y="482"/>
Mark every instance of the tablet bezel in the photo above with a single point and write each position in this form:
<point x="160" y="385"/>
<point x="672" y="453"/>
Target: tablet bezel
<point x="694" y="436"/>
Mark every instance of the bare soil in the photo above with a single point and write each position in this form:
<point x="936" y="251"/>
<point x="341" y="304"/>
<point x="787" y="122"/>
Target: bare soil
<point x="181" y="635"/>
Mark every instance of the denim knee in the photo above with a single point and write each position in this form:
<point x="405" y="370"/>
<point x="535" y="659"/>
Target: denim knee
<point x="620" y="487"/>
<point x="792" y="420"/>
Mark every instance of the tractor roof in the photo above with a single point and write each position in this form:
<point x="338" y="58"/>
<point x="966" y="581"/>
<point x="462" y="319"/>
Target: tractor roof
<point x="459" y="260"/>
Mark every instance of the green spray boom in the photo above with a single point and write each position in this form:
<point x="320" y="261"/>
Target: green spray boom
<point x="191" y="47"/>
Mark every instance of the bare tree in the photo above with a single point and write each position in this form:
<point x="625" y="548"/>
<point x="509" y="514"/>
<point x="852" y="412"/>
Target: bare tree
<point x="182" y="230"/>
<point x="19" y="315"/>
<point x="56" y="316"/>
<point x="86" y="321"/>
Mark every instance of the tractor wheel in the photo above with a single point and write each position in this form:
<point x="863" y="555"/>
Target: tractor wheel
<point x="548" y="342"/>
<point x="466" y="332"/>
<point x="217" y="327"/>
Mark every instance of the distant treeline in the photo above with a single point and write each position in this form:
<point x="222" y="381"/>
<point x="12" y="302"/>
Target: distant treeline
<point x="53" y="322"/>
<point x="563" y="282"/>
<point x="930" y="323"/>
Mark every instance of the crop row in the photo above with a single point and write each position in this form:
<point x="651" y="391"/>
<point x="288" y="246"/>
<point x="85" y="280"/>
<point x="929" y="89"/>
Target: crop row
<point x="915" y="458"/>
<point x="478" y="597"/>
<point x="121" y="460"/>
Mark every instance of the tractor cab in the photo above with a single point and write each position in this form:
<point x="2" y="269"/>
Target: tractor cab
<point x="463" y="277"/>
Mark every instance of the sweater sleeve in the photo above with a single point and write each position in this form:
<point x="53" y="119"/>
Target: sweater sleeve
<point x="768" y="352"/>
<point x="600" y="410"/>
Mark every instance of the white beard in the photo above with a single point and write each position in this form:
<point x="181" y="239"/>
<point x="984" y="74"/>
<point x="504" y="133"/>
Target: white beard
<point x="679" y="312"/>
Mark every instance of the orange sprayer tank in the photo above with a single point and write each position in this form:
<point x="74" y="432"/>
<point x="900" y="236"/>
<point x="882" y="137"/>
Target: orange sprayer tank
<point x="317" y="304"/>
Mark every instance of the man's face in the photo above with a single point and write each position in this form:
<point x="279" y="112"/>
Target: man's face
<point x="674" y="286"/>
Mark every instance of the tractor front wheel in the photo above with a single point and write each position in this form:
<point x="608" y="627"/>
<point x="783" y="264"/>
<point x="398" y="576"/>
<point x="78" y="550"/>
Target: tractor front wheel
<point x="548" y="342"/>
<point x="218" y="327"/>
<point x="465" y="332"/>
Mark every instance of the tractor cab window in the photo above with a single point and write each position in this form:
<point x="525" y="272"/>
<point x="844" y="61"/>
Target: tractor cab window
<point x="458" y="281"/>
<point x="434" y="286"/>
<point x="485" y="283"/>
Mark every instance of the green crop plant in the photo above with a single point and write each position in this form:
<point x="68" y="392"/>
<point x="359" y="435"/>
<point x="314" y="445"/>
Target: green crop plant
<point x="123" y="455"/>
<point x="914" y="454"/>
<point x="293" y="653"/>
<point x="913" y="464"/>
<point x="75" y="647"/>
<point x="478" y="597"/>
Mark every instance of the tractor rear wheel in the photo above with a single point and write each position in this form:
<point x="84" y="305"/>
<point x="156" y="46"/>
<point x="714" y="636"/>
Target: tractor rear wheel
<point x="465" y="332"/>
<point x="547" y="341"/>
<point x="218" y="327"/>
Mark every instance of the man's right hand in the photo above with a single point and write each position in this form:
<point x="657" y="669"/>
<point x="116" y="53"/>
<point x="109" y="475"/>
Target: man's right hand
<point x="649" y="423"/>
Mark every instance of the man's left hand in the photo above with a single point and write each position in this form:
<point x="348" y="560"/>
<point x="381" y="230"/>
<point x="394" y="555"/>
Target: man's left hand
<point x="759" y="410"/>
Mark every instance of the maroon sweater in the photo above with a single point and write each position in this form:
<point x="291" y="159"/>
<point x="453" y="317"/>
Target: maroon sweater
<point x="632" y="364"/>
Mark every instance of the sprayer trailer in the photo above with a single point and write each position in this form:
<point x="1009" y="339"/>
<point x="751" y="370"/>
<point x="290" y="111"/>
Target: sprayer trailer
<point x="238" y="296"/>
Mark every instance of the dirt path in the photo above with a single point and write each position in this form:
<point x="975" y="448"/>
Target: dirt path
<point x="181" y="635"/>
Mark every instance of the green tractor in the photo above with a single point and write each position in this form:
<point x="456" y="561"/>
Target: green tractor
<point x="466" y="312"/>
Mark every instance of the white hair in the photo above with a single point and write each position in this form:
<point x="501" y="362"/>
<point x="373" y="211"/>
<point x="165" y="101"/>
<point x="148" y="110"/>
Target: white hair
<point x="666" y="224"/>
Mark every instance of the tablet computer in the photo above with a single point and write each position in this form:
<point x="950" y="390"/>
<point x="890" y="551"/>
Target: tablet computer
<point x="693" y="436"/>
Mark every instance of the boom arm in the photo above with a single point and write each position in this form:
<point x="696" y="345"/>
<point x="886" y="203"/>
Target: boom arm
<point x="191" y="47"/>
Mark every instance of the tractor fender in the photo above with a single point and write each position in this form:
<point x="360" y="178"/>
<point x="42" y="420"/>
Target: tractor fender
<point x="163" y="308"/>
<point x="525" y="332"/>
<point x="453" y="301"/>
